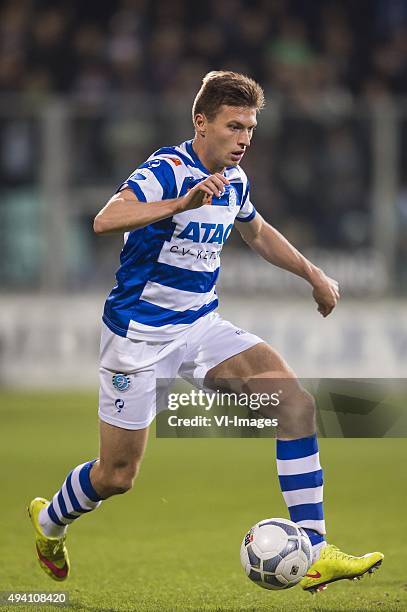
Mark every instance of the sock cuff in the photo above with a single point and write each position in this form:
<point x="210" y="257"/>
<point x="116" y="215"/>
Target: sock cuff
<point x="85" y="482"/>
<point x="297" y="449"/>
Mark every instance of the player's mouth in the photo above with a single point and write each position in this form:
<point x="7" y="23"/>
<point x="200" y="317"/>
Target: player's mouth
<point x="237" y="155"/>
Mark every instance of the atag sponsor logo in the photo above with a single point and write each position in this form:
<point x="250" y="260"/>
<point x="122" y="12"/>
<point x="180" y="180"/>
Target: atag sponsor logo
<point x="206" y="232"/>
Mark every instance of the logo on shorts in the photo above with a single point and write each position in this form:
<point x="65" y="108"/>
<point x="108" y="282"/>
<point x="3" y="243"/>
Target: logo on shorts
<point x="119" y="403"/>
<point x="121" y="382"/>
<point x="239" y="332"/>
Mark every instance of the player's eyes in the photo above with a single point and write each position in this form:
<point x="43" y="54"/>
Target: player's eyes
<point x="238" y="128"/>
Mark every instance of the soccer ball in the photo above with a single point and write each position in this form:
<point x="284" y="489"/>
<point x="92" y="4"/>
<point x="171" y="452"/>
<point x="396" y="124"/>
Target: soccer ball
<point x="276" y="553"/>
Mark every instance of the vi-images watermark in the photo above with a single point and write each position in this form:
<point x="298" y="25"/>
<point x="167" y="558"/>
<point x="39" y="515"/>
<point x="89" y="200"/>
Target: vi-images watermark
<point x="349" y="408"/>
<point x="209" y="401"/>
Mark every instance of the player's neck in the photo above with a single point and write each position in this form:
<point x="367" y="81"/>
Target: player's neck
<point x="200" y="149"/>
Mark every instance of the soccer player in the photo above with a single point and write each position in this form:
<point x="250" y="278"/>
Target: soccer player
<point x="160" y="321"/>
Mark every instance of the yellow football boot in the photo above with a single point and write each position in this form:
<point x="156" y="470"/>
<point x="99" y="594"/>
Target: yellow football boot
<point x="334" y="565"/>
<point x="51" y="552"/>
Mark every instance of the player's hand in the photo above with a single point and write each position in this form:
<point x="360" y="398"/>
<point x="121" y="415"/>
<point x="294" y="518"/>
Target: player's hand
<point x="326" y="294"/>
<point x="203" y="192"/>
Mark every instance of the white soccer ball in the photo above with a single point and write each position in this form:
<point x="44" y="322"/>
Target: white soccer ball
<point x="276" y="553"/>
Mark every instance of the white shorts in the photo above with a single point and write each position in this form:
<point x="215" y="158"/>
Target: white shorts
<point x="135" y="375"/>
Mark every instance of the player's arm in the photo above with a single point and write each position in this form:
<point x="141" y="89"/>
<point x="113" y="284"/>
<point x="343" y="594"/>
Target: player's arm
<point x="274" y="248"/>
<point x="124" y="212"/>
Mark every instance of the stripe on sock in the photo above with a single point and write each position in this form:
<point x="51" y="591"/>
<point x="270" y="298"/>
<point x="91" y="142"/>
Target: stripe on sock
<point x="67" y="501"/>
<point x="318" y="526"/>
<point x="62" y="507"/>
<point x="52" y="515"/>
<point x="304" y="496"/>
<point x="74" y="500"/>
<point x="84" y="479"/>
<point x="303" y="465"/>
<point x="306" y="512"/>
<point x="76" y="497"/>
<point x="301" y="481"/>
<point x="297" y="449"/>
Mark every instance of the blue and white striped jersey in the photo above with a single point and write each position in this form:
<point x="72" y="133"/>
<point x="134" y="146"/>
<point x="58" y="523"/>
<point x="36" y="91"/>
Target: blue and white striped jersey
<point x="166" y="280"/>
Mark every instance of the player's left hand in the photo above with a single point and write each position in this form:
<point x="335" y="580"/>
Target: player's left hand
<point x="326" y="294"/>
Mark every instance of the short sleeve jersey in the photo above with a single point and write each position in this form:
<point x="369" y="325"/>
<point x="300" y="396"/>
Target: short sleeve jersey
<point x="168" y="269"/>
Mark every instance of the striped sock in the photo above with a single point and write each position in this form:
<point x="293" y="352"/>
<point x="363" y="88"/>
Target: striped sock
<point x="76" y="497"/>
<point x="301" y="481"/>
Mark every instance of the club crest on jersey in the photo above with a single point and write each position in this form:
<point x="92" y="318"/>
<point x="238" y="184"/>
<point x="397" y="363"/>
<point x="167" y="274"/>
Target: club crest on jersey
<point x="232" y="197"/>
<point x="121" y="382"/>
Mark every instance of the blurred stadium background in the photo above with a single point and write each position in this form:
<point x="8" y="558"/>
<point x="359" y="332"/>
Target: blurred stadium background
<point x="89" y="90"/>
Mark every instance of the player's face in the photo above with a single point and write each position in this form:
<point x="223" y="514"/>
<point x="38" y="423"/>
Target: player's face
<point x="229" y="134"/>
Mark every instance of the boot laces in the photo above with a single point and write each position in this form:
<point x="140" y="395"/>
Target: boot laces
<point x="338" y="554"/>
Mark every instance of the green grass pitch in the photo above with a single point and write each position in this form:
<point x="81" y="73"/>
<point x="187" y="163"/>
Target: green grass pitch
<point x="172" y="543"/>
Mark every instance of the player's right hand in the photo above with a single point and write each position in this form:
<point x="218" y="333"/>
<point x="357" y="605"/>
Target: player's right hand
<point x="326" y="294"/>
<point x="203" y="192"/>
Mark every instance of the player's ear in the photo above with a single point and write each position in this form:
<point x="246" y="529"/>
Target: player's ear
<point x="200" y="122"/>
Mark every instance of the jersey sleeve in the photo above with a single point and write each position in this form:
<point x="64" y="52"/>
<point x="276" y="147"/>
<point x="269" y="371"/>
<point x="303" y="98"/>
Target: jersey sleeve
<point x="152" y="181"/>
<point x="247" y="211"/>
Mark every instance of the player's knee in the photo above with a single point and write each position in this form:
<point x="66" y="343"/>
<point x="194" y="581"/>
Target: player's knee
<point x="305" y="411"/>
<point x="296" y="413"/>
<point x="307" y="403"/>
<point x="298" y="400"/>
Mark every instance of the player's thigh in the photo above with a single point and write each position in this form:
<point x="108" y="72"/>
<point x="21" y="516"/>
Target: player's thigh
<point x="261" y="370"/>
<point x="260" y="360"/>
<point x="121" y="449"/>
<point x="134" y="378"/>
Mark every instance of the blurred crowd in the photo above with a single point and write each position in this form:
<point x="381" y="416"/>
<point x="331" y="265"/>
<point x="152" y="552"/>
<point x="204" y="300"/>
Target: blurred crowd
<point x="323" y="64"/>
<point x="294" y="47"/>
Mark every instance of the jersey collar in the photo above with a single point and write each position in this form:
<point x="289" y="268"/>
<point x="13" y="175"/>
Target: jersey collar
<point x="195" y="157"/>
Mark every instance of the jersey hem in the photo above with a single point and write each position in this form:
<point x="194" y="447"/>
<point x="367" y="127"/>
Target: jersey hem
<point x="114" y="328"/>
<point x="153" y="336"/>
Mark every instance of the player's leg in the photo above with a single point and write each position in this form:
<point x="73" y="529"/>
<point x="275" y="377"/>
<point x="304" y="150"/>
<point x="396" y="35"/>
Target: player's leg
<point x="82" y="492"/>
<point x="133" y="378"/>
<point x="222" y="355"/>
<point x="299" y="469"/>
<point x="121" y="453"/>
<point x="85" y="487"/>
